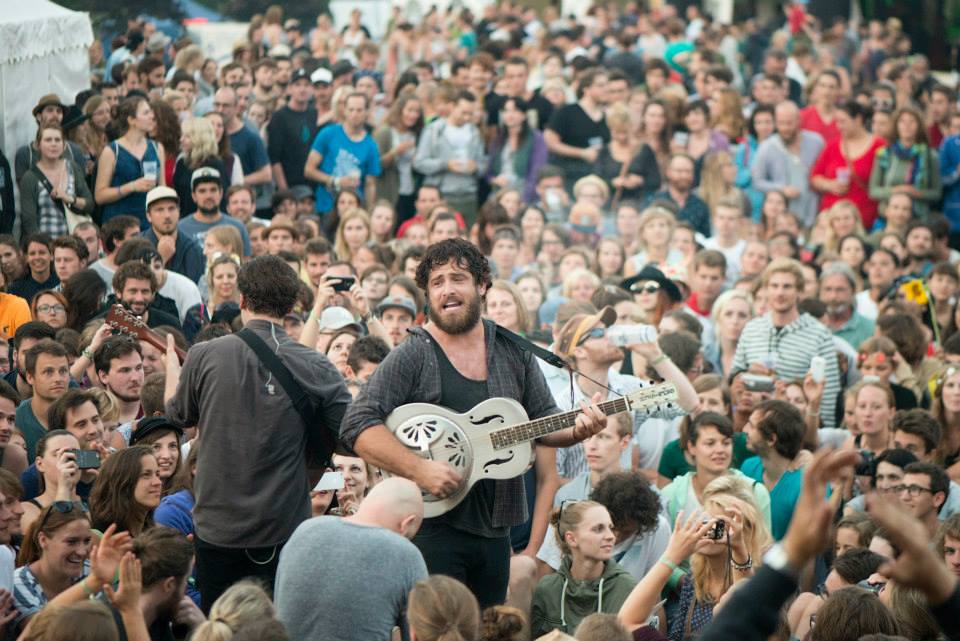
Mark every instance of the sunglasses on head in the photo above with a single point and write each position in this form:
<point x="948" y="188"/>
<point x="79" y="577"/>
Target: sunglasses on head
<point x="63" y="507"/>
<point x="649" y="287"/>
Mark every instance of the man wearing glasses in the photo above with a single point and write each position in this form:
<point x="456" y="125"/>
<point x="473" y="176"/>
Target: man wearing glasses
<point x="923" y="492"/>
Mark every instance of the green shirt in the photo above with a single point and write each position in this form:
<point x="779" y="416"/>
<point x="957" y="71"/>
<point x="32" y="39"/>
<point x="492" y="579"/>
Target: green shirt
<point x="856" y="330"/>
<point x="673" y="463"/>
<point x="32" y="429"/>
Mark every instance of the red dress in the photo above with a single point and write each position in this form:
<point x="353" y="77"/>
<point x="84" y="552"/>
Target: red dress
<point x="831" y="159"/>
<point x="810" y="120"/>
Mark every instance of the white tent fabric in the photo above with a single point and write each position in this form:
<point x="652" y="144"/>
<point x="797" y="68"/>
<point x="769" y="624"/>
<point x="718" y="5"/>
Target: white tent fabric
<point x="43" y="49"/>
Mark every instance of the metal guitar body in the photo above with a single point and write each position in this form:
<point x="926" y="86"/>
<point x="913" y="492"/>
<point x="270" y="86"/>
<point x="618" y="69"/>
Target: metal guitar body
<point x="464" y="441"/>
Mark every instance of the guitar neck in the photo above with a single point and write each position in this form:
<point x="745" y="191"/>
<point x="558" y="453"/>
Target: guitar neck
<point x="540" y="427"/>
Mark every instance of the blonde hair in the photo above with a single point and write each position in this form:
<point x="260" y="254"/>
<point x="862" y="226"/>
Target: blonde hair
<point x="228" y="235"/>
<point x="618" y="115"/>
<point x="243" y="603"/>
<point x="724" y="299"/>
<point x="523" y="318"/>
<point x="203" y="141"/>
<point x="340" y="245"/>
<point x="595" y="180"/>
<point x="831" y="242"/>
<point x="188" y="57"/>
<point x="575" y="275"/>
<point x="784" y="266"/>
<point x="713" y="189"/>
<point x="650" y="214"/>
<point x="567" y="518"/>
<point x="725" y="492"/>
<point x="107" y="406"/>
<point x="440" y="608"/>
<point x="82" y="621"/>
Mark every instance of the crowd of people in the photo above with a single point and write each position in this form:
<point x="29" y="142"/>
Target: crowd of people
<point x="328" y="227"/>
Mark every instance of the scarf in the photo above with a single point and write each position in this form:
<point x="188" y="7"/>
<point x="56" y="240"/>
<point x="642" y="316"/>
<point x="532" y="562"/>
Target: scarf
<point x="915" y="157"/>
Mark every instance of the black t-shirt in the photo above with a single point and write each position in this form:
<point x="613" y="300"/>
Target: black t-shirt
<point x="577" y="129"/>
<point x="26" y="288"/>
<point x="289" y="136"/>
<point x="461" y="394"/>
<point x="538" y="109"/>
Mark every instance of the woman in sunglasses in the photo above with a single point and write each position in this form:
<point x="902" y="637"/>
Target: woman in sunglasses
<point x="654" y="292"/>
<point x="55" y="562"/>
<point x="127" y="490"/>
<point x="59" y="474"/>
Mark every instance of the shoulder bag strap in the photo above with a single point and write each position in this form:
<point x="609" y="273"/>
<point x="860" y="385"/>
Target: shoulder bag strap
<point x="324" y="450"/>
<point x="49" y="187"/>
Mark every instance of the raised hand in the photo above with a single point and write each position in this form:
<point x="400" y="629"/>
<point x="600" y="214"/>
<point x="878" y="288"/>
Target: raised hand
<point x="106" y="556"/>
<point x="687" y="535"/>
<point x="127" y="595"/>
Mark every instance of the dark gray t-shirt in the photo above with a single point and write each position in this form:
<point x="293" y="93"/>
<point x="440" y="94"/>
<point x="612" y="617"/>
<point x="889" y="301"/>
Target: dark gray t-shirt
<point x="338" y="581"/>
<point x="252" y="488"/>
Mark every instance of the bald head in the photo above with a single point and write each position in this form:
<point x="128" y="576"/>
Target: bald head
<point x="395" y="504"/>
<point x="787" y="116"/>
<point x="225" y="103"/>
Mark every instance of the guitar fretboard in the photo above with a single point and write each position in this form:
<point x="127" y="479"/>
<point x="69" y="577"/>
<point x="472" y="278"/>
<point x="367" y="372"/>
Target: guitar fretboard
<point x="536" y="428"/>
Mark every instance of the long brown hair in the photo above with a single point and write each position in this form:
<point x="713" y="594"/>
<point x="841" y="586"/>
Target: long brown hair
<point x="49" y="521"/>
<point x="441" y="608"/>
<point x="112" y="499"/>
<point x="395" y="115"/>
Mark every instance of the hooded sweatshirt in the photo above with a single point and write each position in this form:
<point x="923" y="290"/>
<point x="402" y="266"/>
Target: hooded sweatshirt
<point x="561" y="602"/>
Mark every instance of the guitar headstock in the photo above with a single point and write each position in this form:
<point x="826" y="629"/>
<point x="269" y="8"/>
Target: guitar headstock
<point x="125" y="322"/>
<point x="659" y="396"/>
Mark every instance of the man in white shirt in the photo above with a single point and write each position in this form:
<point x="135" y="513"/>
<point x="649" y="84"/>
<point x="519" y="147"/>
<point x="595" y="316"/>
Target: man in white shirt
<point x="727" y="221"/>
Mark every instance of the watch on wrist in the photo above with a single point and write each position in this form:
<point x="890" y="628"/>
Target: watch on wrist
<point x="776" y="559"/>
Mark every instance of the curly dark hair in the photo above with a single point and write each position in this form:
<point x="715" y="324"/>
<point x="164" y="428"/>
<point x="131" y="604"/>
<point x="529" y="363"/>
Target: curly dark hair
<point x="269" y="286"/>
<point x="631" y="501"/>
<point x="462" y="252"/>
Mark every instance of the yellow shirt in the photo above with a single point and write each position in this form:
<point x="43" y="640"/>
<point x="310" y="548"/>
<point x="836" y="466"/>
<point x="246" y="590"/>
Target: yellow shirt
<point x="14" y="312"/>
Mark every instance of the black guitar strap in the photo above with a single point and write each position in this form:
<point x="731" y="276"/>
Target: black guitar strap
<point x="527" y="346"/>
<point x="320" y="442"/>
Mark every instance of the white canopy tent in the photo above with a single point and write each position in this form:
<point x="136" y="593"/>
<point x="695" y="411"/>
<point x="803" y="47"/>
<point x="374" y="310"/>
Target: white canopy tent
<point x="43" y="49"/>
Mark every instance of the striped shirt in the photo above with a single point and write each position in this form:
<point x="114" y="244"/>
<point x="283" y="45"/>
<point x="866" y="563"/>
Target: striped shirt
<point x="790" y="349"/>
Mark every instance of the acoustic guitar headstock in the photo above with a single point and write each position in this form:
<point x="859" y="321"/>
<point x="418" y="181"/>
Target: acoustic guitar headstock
<point x="124" y="322"/>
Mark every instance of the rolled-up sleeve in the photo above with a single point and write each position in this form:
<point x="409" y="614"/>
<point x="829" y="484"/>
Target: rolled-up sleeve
<point x="390" y="386"/>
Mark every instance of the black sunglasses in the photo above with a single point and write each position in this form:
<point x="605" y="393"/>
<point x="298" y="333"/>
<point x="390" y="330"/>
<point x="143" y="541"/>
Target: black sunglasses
<point x="63" y="507"/>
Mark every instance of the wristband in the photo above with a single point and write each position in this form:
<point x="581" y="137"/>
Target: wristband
<point x="87" y="591"/>
<point x="87" y="354"/>
<point x="667" y="562"/>
<point x="658" y="360"/>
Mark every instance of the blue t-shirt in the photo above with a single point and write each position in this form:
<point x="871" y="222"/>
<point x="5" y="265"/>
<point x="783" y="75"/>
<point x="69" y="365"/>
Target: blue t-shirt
<point x="250" y="149"/>
<point x="197" y="230"/>
<point x="783" y="496"/>
<point x="342" y="156"/>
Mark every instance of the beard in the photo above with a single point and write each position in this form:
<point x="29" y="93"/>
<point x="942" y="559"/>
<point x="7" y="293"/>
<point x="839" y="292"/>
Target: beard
<point x="466" y="321"/>
<point x="838" y="309"/>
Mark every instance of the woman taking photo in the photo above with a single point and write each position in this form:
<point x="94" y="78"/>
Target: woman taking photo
<point x="629" y="166"/>
<point x="908" y="165"/>
<point x="518" y="152"/>
<point x="397" y="142"/>
<point x="51" y="187"/>
<point x="198" y="148"/>
<point x="843" y="169"/>
<point x="589" y="580"/>
<point x="50" y="307"/>
<point x="59" y="474"/>
<point x="505" y="307"/>
<point x="716" y="563"/>
<point x="731" y="312"/>
<point x="130" y="166"/>
<point x="127" y="491"/>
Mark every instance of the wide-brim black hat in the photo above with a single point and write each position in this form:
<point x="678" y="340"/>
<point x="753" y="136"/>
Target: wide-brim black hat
<point x="652" y="273"/>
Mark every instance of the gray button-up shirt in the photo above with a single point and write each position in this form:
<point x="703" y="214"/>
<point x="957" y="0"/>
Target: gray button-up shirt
<point x="253" y="489"/>
<point x="410" y="374"/>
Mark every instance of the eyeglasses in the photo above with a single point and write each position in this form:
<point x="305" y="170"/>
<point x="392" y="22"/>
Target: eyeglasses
<point x="912" y="490"/>
<point x="645" y="288"/>
<point x="63" y="507"/>
<point x="46" y="309"/>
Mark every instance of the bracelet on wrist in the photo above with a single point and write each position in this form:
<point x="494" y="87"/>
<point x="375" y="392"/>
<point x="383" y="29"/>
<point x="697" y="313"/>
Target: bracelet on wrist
<point x="667" y="562"/>
<point x="742" y="567"/>
<point x="86" y="589"/>
<point x="659" y="359"/>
